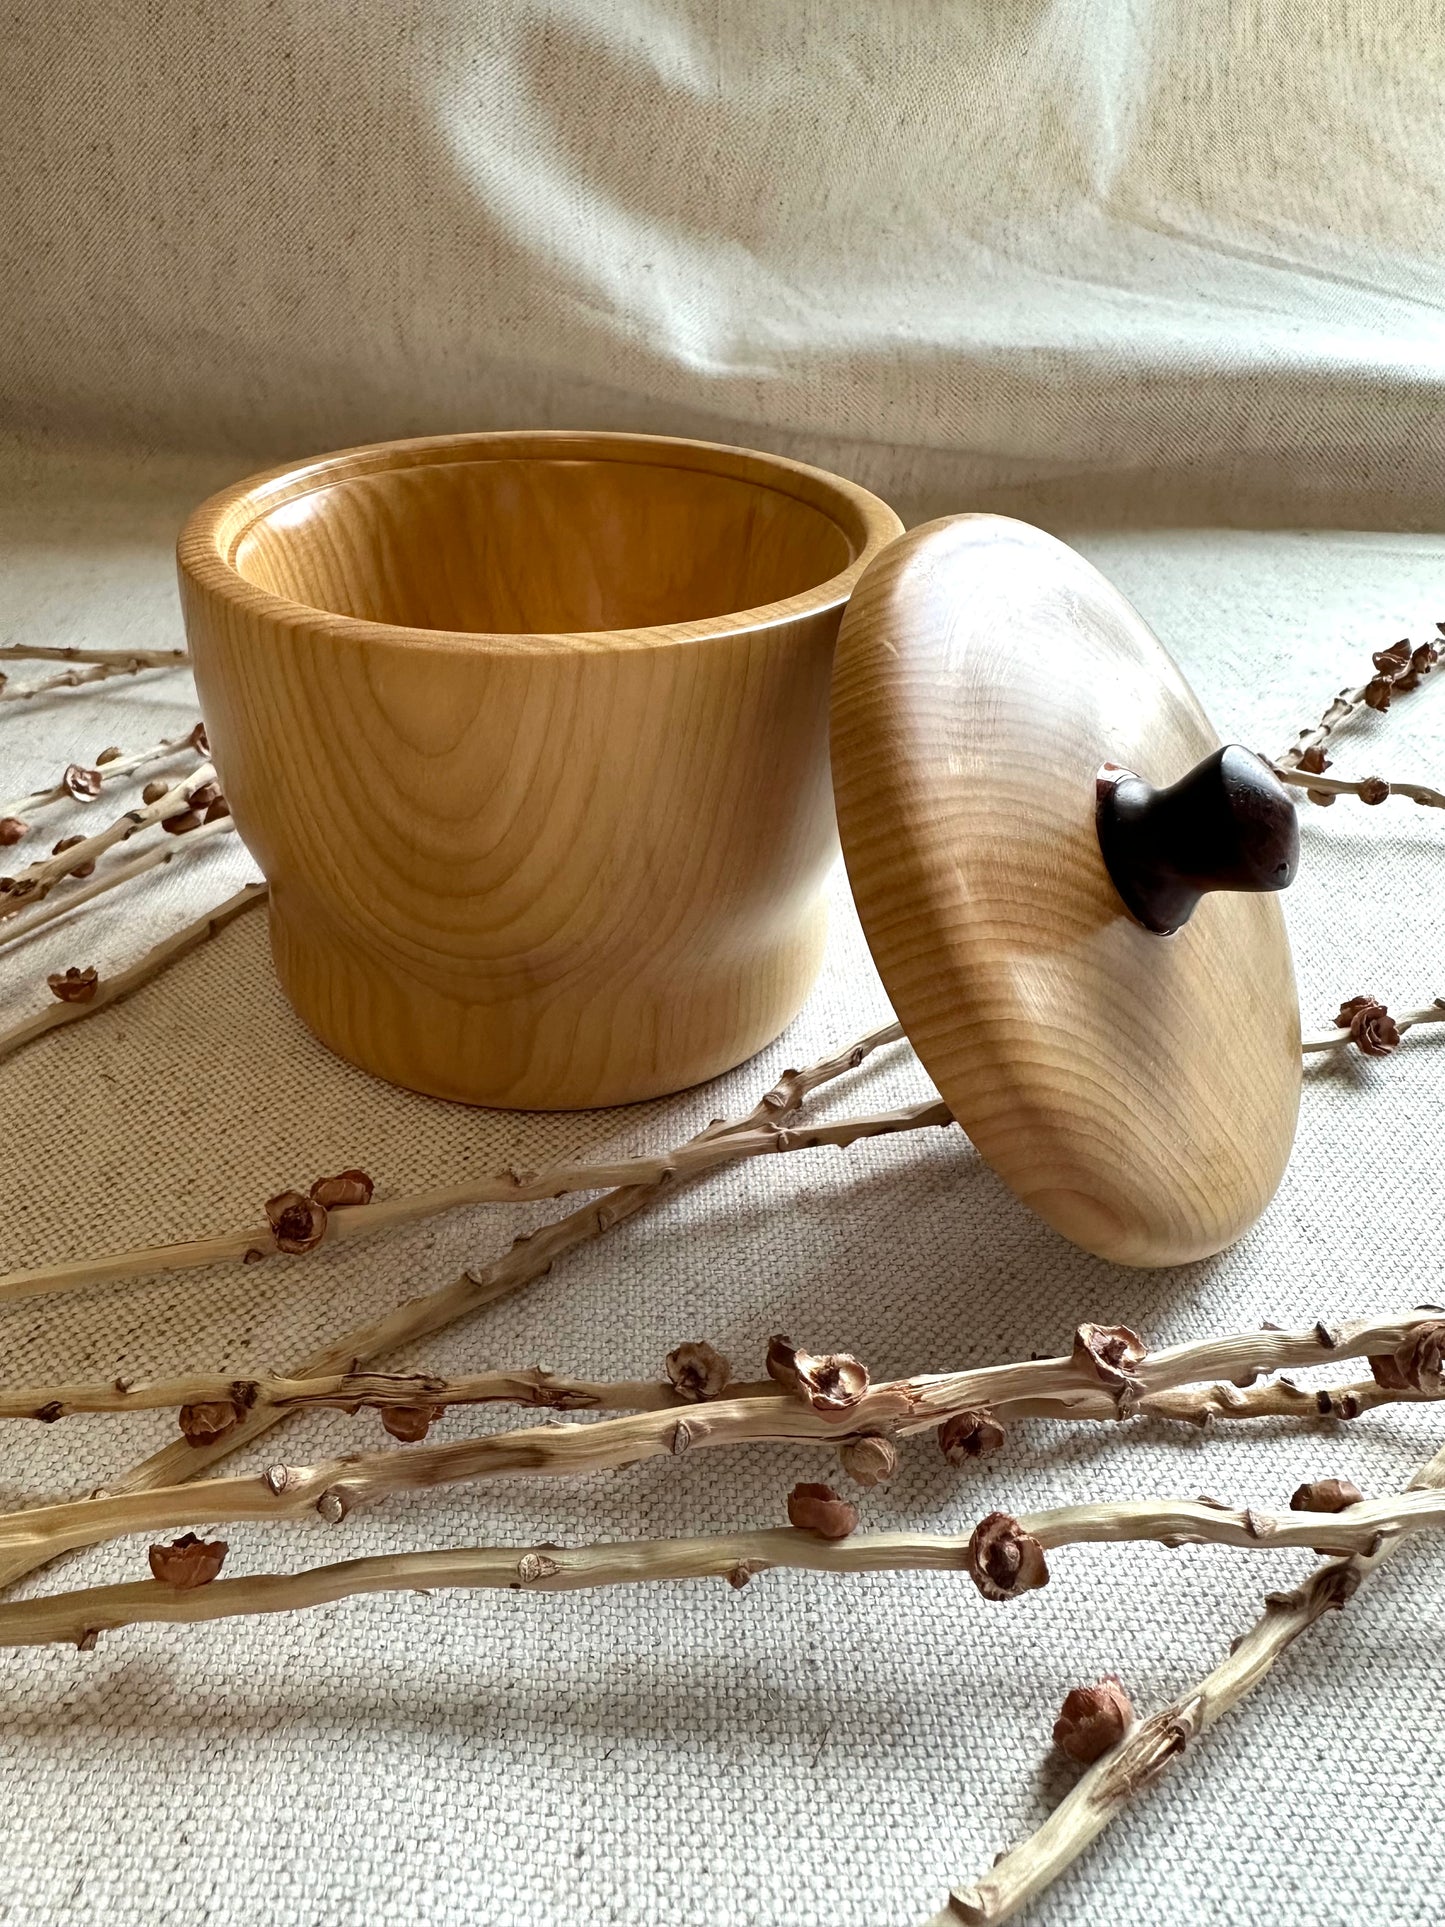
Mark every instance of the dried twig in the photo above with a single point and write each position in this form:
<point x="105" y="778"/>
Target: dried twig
<point x="530" y="1257"/>
<point x="1370" y="789"/>
<point x="38" y="879"/>
<point x="1203" y="1405"/>
<point x="508" y="1187"/>
<point x="532" y="1385"/>
<point x="536" y="1385"/>
<point x="1152" y="1746"/>
<point x="103" y="772"/>
<point x="110" y="990"/>
<point x="901" y="1407"/>
<point x="94" y="672"/>
<point x="141" y="658"/>
<point x="78" y="1617"/>
<point x="111" y="878"/>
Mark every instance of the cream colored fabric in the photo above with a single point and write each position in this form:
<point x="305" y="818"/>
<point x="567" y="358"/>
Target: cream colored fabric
<point x="1056" y="253"/>
<point x="811" y="1752"/>
<point x="1081" y="261"/>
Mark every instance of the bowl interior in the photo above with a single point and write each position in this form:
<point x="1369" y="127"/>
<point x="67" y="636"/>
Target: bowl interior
<point x="541" y="545"/>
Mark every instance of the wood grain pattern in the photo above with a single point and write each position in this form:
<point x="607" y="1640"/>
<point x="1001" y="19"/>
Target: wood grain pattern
<point x="529" y="734"/>
<point x="1138" y="1091"/>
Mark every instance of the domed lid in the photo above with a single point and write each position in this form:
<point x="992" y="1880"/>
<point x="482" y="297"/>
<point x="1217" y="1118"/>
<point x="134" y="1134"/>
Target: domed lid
<point x="1122" y="1048"/>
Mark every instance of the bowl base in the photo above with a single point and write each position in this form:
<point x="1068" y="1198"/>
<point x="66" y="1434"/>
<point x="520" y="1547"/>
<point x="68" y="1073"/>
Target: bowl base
<point x="543" y="1051"/>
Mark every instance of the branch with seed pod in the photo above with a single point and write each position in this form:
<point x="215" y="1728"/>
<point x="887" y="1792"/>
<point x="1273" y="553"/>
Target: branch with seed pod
<point x="172" y="806"/>
<point x="1003" y="1556"/>
<point x="104" y="991"/>
<point x="1147" y="1749"/>
<point x="1370" y="789"/>
<point x="83" y="782"/>
<point x="1366" y="1023"/>
<point x="125" y="870"/>
<point x="831" y="1402"/>
<point x="298" y="1222"/>
<point x="531" y="1256"/>
<point x="695" y="1374"/>
<point x="1398" y="670"/>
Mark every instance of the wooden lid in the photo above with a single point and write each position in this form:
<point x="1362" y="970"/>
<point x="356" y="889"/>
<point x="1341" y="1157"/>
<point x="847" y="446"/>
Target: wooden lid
<point x="1138" y="1091"/>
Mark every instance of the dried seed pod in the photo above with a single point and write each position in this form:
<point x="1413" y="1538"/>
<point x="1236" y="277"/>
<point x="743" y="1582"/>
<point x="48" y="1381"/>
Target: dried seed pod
<point x="188" y="1562"/>
<point x="154" y="790"/>
<point x="533" y="1567"/>
<point x="818" y="1508"/>
<point x="410" y="1423"/>
<point x="697" y="1371"/>
<point x="297" y="1222"/>
<point x="1326" y="1495"/>
<point x="870" y="1459"/>
<point x="218" y="809"/>
<point x="1004" y="1560"/>
<point x="1373" y="1031"/>
<point x="179" y="825"/>
<point x="199" y="740"/>
<point x="346" y="1188"/>
<point x="1389" y="662"/>
<point x="1093" y="1719"/>
<point x="204" y="1423"/>
<point x="74" y="986"/>
<point x="1314" y="762"/>
<point x="970" y="1435"/>
<point x="1111" y="1354"/>
<point x="69" y="843"/>
<point x="1374" y="789"/>
<point x="1418" y="1365"/>
<point x="12" y="829"/>
<point x="831" y="1382"/>
<point x="202" y="797"/>
<point x="82" y="783"/>
<point x="111" y="755"/>
<point x="1377" y="692"/>
<point x="1422" y="661"/>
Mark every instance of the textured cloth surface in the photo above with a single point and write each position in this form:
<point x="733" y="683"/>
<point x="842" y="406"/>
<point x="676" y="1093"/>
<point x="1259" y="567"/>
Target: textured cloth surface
<point x="1062" y="257"/>
<point x="821" y="1752"/>
<point x="1079" y="262"/>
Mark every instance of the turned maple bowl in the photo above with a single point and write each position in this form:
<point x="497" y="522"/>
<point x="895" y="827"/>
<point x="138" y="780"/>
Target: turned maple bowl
<point x="529" y="734"/>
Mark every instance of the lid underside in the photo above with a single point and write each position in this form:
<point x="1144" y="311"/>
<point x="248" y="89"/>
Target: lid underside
<point x="1138" y="1091"/>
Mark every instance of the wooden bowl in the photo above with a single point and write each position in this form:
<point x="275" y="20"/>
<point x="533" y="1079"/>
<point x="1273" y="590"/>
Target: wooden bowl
<point x="529" y="733"/>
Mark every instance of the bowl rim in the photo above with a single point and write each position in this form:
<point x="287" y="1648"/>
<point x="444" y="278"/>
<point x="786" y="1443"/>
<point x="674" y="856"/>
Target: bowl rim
<point x="214" y="530"/>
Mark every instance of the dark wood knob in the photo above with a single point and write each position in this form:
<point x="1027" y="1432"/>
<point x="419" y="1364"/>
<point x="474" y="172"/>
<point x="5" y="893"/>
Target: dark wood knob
<point x="1228" y="825"/>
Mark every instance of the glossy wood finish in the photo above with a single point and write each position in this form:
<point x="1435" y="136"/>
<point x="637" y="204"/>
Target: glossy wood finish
<point x="1138" y="1091"/>
<point x="1227" y="824"/>
<point x="529" y="734"/>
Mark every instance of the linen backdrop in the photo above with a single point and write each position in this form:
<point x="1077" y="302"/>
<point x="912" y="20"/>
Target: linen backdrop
<point x="1137" y="272"/>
